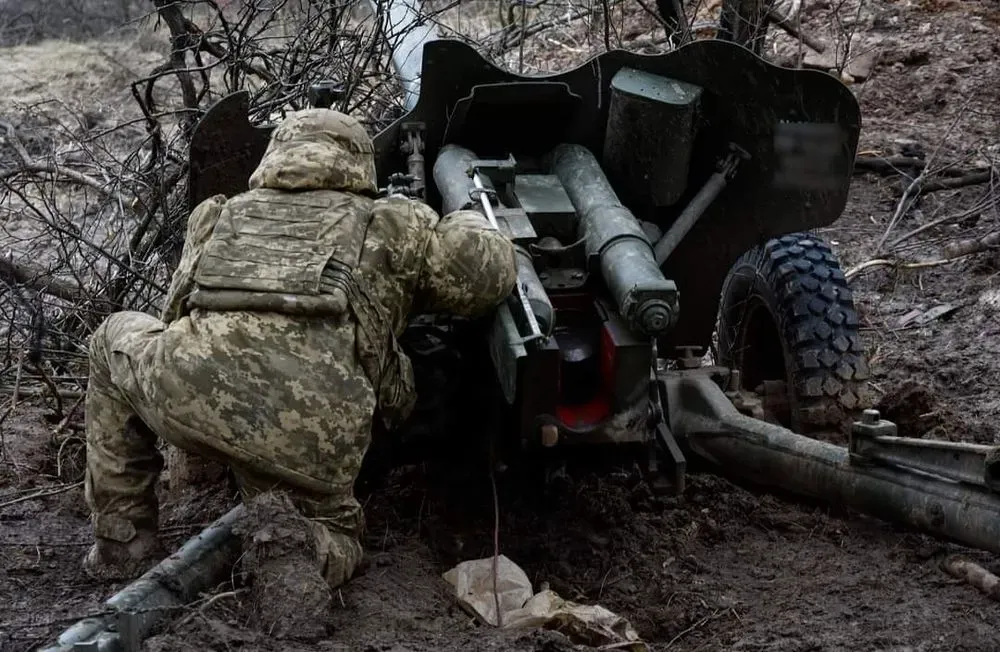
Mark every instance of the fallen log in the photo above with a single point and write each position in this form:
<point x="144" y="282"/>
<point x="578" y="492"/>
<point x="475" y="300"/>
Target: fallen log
<point x="970" y="179"/>
<point x="40" y="280"/>
<point x="972" y="245"/>
<point x="175" y="582"/>
<point x="889" y="165"/>
<point x="973" y="574"/>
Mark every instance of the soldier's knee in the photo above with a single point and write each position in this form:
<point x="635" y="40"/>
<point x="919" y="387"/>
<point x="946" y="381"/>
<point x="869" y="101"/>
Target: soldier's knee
<point x="125" y="323"/>
<point x="117" y="333"/>
<point x="116" y="329"/>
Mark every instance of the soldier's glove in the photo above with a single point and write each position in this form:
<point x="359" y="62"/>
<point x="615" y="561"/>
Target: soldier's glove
<point x="400" y="185"/>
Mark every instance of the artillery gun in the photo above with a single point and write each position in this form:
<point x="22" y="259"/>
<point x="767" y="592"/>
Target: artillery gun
<point x="661" y="208"/>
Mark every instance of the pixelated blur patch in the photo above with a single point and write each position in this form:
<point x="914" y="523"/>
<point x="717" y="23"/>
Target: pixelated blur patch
<point x="810" y="155"/>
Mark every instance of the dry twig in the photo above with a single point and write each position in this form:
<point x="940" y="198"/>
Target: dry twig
<point x="896" y="264"/>
<point x="913" y="189"/>
<point x="48" y="491"/>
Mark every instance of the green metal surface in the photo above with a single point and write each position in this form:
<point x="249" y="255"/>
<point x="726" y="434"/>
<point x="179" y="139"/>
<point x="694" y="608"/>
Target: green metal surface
<point x="545" y="201"/>
<point x="655" y="88"/>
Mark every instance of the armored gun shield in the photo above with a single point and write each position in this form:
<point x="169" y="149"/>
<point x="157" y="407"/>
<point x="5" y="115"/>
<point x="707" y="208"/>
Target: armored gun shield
<point x="225" y="149"/>
<point x="799" y="127"/>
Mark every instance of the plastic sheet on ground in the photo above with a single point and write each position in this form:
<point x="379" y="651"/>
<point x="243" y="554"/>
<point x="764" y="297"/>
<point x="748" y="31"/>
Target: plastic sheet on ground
<point x="473" y="582"/>
<point x="522" y="608"/>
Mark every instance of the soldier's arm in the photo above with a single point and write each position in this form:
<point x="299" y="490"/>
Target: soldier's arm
<point x="469" y="267"/>
<point x="199" y="229"/>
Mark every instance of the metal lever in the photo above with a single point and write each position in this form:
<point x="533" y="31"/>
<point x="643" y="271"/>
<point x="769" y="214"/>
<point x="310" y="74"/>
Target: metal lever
<point x="725" y="171"/>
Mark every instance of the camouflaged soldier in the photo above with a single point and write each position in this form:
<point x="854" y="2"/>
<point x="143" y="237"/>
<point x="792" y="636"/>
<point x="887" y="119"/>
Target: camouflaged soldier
<point x="276" y="347"/>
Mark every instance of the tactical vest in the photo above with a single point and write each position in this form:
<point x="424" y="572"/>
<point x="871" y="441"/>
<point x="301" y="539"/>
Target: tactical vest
<point x="295" y="253"/>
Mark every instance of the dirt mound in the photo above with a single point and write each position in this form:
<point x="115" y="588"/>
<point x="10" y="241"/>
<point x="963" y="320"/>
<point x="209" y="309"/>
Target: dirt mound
<point x="912" y="407"/>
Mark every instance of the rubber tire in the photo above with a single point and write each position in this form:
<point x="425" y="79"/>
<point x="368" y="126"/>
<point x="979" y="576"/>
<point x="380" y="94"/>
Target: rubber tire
<point x="798" y="279"/>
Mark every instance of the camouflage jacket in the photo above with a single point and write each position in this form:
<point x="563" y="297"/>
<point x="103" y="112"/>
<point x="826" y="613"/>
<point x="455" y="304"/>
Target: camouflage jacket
<point x="308" y="240"/>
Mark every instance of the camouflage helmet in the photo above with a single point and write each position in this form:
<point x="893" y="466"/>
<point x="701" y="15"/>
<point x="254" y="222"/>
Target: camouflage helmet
<point x="318" y="149"/>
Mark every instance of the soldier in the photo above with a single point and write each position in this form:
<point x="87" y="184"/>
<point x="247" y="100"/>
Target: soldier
<point x="276" y="347"/>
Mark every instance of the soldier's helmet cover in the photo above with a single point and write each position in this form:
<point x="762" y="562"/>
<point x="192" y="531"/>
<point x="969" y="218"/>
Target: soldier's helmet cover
<point x="318" y="149"/>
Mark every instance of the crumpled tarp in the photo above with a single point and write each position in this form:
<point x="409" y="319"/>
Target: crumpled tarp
<point x="522" y="608"/>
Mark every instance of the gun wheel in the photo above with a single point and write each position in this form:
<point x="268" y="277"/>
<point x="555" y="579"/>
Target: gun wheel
<point x="788" y="324"/>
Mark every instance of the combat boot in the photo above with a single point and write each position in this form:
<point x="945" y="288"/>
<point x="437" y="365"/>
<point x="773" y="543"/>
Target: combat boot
<point x="289" y="597"/>
<point x="122" y="552"/>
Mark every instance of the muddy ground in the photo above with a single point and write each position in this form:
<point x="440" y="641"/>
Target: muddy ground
<point x="722" y="567"/>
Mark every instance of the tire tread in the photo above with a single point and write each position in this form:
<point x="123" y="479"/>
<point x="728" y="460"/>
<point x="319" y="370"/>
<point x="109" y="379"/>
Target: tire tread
<point x="819" y="323"/>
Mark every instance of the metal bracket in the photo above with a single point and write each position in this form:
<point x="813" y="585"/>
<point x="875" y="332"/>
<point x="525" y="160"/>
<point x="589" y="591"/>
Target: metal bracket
<point x="504" y="171"/>
<point x="731" y="163"/>
<point x="688" y="356"/>
<point x="663" y="444"/>
<point x="413" y="183"/>
<point x="409" y="131"/>
<point x="476" y="194"/>
<point x="874" y="441"/>
<point x="498" y="171"/>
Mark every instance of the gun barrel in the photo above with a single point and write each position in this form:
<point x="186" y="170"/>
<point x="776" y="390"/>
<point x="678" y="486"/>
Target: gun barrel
<point x="406" y="31"/>
<point x="645" y="298"/>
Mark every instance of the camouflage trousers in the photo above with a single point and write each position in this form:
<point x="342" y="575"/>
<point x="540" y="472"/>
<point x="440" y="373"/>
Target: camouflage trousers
<point x="134" y="398"/>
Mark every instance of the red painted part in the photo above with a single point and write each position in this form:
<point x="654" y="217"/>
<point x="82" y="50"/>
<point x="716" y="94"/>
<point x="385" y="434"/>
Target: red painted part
<point x="587" y="414"/>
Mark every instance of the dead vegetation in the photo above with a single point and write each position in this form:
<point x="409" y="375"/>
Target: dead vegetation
<point x="96" y="112"/>
<point x="94" y="189"/>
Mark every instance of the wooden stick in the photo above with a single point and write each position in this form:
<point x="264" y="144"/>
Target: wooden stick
<point x="890" y="262"/>
<point x="912" y="192"/>
<point x="39" y="279"/>
<point x="36" y="392"/>
<point x="905" y="202"/>
<point x="970" y="179"/>
<point x="30" y="165"/>
<point x="889" y="165"/>
<point x="42" y="493"/>
<point x="937" y="222"/>
<point x="972" y="245"/>
<point x="974" y="574"/>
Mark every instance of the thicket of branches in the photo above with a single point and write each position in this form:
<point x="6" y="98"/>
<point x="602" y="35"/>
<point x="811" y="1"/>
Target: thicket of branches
<point x="96" y="224"/>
